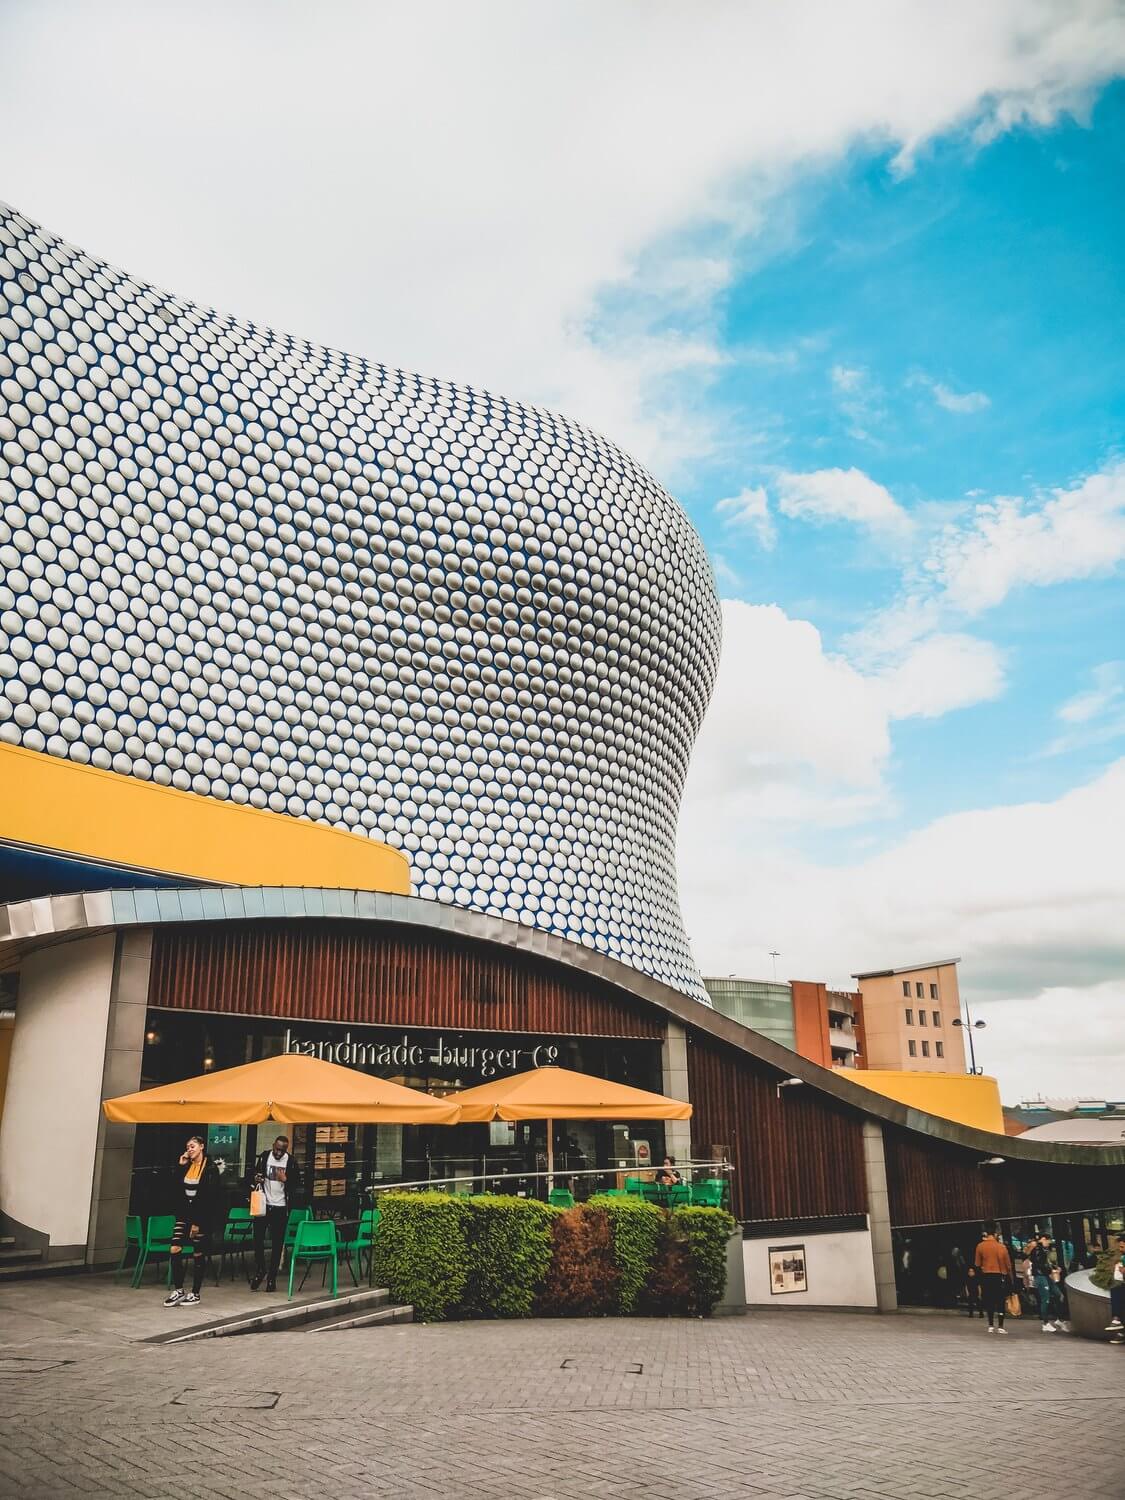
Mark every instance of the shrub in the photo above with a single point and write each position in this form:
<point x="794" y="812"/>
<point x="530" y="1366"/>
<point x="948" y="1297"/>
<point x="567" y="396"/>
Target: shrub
<point x="635" y="1229"/>
<point x="670" y="1289"/>
<point x="582" y="1280"/>
<point x="509" y="1253"/>
<point x="421" y="1251"/>
<point x="705" y="1232"/>
<point x="1102" y="1274"/>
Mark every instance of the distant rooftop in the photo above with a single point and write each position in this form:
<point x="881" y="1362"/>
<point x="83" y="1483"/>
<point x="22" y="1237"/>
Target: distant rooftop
<point x="940" y="963"/>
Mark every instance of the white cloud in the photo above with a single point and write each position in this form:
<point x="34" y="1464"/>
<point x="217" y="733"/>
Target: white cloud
<point x="842" y="495"/>
<point x="847" y="379"/>
<point x="459" y="188"/>
<point x="997" y="547"/>
<point x="1012" y="543"/>
<point x="749" y="510"/>
<point x="1029" y="895"/>
<point x="970" y="401"/>
<point x="941" y="673"/>
<point x="1095" y="716"/>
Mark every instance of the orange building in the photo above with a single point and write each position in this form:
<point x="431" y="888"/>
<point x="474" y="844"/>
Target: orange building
<point x="909" y="1018"/>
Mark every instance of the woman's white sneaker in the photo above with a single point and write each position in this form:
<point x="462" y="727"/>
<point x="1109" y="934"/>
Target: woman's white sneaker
<point x="174" y="1298"/>
<point x="191" y="1297"/>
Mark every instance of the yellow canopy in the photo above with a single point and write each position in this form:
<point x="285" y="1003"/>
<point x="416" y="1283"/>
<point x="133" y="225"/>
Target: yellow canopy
<point x="561" y="1094"/>
<point x="292" y="1088"/>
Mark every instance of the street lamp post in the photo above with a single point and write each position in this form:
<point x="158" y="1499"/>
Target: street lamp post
<point x="969" y="1025"/>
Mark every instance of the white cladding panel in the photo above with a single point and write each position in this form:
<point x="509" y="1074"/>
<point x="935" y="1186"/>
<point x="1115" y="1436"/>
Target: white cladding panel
<point x="239" y="564"/>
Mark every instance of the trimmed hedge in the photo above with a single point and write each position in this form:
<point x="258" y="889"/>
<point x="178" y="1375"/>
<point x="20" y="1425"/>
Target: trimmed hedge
<point x="498" y="1257"/>
<point x="636" y="1228"/>
<point x="421" y="1251"/>
<point x="582" y="1280"/>
<point x="509" y="1254"/>
<point x="705" y="1232"/>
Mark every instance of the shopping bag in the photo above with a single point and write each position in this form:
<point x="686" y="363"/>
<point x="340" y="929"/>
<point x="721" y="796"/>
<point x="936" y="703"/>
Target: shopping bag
<point x="257" y="1203"/>
<point x="1012" y="1305"/>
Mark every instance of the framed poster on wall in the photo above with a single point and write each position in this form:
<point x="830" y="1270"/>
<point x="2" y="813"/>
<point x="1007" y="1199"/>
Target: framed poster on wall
<point x="787" y="1270"/>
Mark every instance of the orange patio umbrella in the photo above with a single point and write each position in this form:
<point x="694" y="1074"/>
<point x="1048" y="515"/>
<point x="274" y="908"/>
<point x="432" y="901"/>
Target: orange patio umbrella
<point x="561" y="1094"/>
<point x="292" y="1088"/>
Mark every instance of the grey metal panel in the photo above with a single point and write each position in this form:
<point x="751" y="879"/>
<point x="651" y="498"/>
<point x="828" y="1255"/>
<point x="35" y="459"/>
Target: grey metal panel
<point x="148" y="907"/>
<point x="214" y="907"/>
<point x="191" y="905"/>
<point x="168" y="904"/>
<point x="234" y="903"/>
<point x="124" y="907"/>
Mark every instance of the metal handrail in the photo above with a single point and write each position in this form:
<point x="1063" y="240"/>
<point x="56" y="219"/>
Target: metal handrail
<point x="723" y="1168"/>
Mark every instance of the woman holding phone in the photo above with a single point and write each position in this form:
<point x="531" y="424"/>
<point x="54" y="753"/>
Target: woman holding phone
<point x="197" y="1206"/>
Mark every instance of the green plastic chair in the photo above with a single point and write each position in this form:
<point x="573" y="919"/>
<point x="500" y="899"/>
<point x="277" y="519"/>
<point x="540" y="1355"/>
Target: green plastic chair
<point x="296" y="1216"/>
<point x="134" y="1240"/>
<point x="315" y="1240"/>
<point x="560" y="1198"/>
<point x="679" y="1195"/>
<point x="361" y="1245"/>
<point x="654" y="1192"/>
<point x="238" y="1238"/>
<point x="635" y="1186"/>
<point x="708" y="1194"/>
<point x="613" y="1193"/>
<point x="157" y="1242"/>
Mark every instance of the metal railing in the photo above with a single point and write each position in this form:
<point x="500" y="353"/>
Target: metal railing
<point x="721" y="1169"/>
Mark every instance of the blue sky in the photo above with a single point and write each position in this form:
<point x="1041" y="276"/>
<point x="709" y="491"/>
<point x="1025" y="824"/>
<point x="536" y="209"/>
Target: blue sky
<point x="996" y="273"/>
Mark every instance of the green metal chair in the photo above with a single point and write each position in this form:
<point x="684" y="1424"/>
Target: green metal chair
<point x="315" y="1240"/>
<point x="635" y="1186"/>
<point x="709" y="1193"/>
<point x="134" y="1240"/>
<point x="560" y="1198"/>
<point x="157" y="1241"/>
<point x="679" y="1195"/>
<point x="296" y="1217"/>
<point x="361" y="1245"/>
<point x="238" y="1239"/>
<point x="654" y="1192"/>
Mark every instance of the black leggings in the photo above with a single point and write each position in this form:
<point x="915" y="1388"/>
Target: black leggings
<point x="994" y="1289"/>
<point x="201" y="1253"/>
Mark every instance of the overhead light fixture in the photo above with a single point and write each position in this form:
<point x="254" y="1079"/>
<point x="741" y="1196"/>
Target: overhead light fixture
<point x="789" y="1083"/>
<point x="992" y="1161"/>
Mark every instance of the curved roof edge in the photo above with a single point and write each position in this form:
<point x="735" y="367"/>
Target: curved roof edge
<point x="49" y="919"/>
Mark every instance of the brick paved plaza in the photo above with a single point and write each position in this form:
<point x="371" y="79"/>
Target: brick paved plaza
<point x="813" y="1405"/>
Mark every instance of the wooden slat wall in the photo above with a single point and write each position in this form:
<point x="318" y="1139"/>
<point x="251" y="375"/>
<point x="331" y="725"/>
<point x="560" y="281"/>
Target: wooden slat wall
<point x="325" y="971"/>
<point x="800" y="1156"/>
<point x="931" y="1182"/>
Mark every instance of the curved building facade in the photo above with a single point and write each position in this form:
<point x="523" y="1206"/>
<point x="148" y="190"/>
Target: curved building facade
<point x="241" y="565"/>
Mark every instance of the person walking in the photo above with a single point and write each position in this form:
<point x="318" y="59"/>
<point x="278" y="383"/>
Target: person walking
<point x="1116" y="1324"/>
<point x="994" y="1266"/>
<point x="276" y="1172"/>
<point x="199" y="1196"/>
<point x="1041" y="1268"/>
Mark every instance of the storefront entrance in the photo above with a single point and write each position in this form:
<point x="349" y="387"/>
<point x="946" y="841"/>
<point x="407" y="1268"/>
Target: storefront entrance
<point x="341" y="1162"/>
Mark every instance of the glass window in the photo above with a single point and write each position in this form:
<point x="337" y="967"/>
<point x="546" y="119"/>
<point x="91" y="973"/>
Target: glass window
<point x="909" y="1017"/>
<point x="906" y="986"/>
<point x="921" y="1018"/>
<point x="939" y="1048"/>
<point x="925" y="1049"/>
<point x="920" y="990"/>
<point x="933" y="991"/>
<point x="937" y="1017"/>
<point x="913" y="1048"/>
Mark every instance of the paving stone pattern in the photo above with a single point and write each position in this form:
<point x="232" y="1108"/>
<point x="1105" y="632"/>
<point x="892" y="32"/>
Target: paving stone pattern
<point x="808" y="1406"/>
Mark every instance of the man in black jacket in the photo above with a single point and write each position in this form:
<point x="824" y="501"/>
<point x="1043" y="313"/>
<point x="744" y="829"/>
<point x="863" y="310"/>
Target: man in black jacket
<point x="276" y="1172"/>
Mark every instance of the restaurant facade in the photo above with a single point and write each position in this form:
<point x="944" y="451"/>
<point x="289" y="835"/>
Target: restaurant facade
<point x="121" y="990"/>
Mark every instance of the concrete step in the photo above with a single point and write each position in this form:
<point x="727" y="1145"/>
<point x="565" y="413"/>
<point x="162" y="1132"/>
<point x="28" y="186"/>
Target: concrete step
<point x="394" y="1312"/>
<point x="282" y="1317"/>
<point x="35" y="1265"/>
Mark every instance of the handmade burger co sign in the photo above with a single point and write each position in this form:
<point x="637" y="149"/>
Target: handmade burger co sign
<point x="407" y="1050"/>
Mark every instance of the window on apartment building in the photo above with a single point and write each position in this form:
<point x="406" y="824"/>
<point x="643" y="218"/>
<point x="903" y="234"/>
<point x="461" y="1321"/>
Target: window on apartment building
<point x="913" y="1046"/>
<point x="939" y="1048"/>
<point x="921" y="1018"/>
<point x="909" y="1016"/>
<point x="906" y="987"/>
<point x="933" y="991"/>
<point x="937" y="1017"/>
<point x="925" y="1049"/>
<point x="920" y="990"/>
